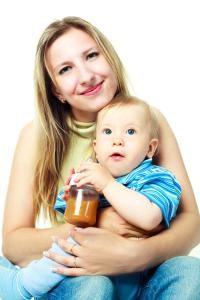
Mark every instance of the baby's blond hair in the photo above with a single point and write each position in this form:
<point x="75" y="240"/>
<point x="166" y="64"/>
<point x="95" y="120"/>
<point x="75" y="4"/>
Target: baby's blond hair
<point x="123" y="100"/>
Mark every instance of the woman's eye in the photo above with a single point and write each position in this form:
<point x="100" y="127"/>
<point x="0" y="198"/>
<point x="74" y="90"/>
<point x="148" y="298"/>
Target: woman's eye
<point x="92" y="55"/>
<point x="107" y="131"/>
<point x="131" y="131"/>
<point x="65" y="69"/>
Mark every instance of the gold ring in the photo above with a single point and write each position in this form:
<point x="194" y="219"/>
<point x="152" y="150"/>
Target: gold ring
<point x="75" y="266"/>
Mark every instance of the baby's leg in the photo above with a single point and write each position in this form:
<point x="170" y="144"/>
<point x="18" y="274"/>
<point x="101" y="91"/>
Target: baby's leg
<point x="37" y="278"/>
<point x="8" y="282"/>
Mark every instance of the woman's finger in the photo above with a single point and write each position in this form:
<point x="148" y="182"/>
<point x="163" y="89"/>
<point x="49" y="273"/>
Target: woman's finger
<point x="69" y="271"/>
<point x="69" y="245"/>
<point x="68" y="260"/>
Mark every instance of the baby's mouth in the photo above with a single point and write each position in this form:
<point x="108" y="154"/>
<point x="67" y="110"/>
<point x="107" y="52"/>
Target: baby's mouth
<point x="117" y="156"/>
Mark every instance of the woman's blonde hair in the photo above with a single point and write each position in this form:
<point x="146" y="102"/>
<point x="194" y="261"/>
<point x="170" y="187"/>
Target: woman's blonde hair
<point x="53" y="133"/>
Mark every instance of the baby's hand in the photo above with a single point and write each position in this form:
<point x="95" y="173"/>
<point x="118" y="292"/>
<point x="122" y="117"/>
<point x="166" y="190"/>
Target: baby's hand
<point x="94" y="174"/>
<point x="65" y="196"/>
<point x="67" y="185"/>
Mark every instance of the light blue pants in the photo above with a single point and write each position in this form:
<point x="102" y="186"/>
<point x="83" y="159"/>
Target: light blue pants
<point x="72" y="288"/>
<point x="176" y="279"/>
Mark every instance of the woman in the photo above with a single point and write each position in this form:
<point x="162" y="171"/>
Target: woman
<point x="77" y="72"/>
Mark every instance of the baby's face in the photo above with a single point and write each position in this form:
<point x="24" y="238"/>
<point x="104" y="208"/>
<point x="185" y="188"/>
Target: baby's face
<point x="122" y="138"/>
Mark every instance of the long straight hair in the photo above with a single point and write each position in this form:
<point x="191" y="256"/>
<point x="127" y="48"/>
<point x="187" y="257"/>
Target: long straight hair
<point x="53" y="132"/>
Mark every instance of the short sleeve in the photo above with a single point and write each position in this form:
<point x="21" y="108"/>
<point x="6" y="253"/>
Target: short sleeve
<point x="162" y="188"/>
<point x="60" y="204"/>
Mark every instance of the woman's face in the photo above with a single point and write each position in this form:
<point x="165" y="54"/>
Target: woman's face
<point x="81" y="74"/>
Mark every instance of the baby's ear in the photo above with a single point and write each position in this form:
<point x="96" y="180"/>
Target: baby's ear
<point x="153" y="145"/>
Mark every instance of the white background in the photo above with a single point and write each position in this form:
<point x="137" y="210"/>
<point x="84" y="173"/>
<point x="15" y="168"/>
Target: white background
<point x="157" y="40"/>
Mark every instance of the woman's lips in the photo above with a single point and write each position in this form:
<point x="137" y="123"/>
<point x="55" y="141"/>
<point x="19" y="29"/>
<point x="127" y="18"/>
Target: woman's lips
<point x="92" y="90"/>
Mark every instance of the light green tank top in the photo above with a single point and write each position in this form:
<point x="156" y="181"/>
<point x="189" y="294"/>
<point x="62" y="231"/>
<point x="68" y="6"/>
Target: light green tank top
<point x="80" y="148"/>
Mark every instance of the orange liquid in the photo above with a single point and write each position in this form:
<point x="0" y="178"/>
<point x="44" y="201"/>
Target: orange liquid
<point x="82" y="207"/>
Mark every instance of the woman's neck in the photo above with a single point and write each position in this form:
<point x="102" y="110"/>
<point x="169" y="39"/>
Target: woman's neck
<point x="85" y="117"/>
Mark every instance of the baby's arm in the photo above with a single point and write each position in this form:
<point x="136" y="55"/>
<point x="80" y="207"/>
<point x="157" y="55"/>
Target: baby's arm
<point x="157" y="197"/>
<point x="134" y="207"/>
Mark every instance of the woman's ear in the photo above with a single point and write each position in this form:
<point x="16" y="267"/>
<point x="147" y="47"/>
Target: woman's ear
<point x="153" y="145"/>
<point x="94" y="142"/>
<point x="57" y="94"/>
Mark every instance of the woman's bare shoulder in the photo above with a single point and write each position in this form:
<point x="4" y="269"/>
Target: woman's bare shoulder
<point x="28" y="130"/>
<point x="28" y="137"/>
<point x="159" y="115"/>
<point x="26" y="148"/>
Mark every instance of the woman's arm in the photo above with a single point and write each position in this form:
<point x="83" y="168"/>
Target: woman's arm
<point x="169" y="156"/>
<point x="184" y="232"/>
<point x="99" y="253"/>
<point x="21" y="241"/>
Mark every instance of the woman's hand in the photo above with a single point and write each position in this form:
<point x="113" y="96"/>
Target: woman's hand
<point x="98" y="252"/>
<point x="101" y="252"/>
<point x="110" y="220"/>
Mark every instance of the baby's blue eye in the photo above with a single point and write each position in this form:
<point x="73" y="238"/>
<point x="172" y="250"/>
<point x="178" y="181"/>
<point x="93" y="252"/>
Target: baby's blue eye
<point x="107" y="131"/>
<point x="131" y="131"/>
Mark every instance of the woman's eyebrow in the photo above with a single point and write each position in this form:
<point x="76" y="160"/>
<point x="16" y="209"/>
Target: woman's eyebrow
<point x="66" y="62"/>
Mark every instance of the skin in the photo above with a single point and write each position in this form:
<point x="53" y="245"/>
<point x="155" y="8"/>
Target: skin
<point x="99" y="250"/>
<point x="123" y="130"/>
<point x="83" y="77"/>
<point x="87" y="81"/>
<point x="121" y="147"/>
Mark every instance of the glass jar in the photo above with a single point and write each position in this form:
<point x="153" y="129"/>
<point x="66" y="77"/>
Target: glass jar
<point x="82" y="206"/>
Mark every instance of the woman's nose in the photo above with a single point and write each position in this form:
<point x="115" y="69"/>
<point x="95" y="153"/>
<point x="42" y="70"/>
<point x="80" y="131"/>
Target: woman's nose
<point x="85" y="75"/>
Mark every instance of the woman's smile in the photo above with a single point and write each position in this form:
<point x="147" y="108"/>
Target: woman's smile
<point x="93" y="90"/>
<point x="81" y="73"/>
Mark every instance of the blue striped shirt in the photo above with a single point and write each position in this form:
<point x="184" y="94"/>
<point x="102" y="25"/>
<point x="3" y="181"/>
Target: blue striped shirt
<point x="157" y="184"/>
